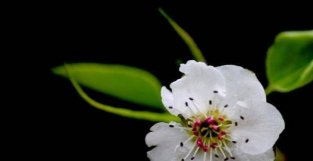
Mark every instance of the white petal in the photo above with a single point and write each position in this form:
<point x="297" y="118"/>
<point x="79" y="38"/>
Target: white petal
<point x="167" y="141"/>
<point x="200" y="157"/>
<point x="241" y="84"/>
<point x="259" y="126"/>
<point x="168" y="101"/>
<point x="199" y="83"/>
<point x="267" y="156"/>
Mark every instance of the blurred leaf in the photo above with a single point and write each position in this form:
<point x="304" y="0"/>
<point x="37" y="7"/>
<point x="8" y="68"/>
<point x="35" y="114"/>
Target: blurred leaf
<point x="186" y="37"/>
<point x="142" y="115"/>
<point x="279" y="155"/>
<point x="127" y="83"/>
<point x="289" y="63"/>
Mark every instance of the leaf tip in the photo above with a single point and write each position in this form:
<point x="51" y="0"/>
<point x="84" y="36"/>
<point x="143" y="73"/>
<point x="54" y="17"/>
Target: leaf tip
<point x="164" y="14"/>
<point x="60" y="70"/>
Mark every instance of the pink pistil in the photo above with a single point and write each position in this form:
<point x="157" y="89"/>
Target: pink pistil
<point x="210" y="120"/>
<point x="221" y="135"/>
<point x="213" y="145"/>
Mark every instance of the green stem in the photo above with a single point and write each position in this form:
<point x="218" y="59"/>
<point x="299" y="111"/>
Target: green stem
<point x="193" y="47"/>
<point x="142" y="115"/>
<point x="269" y="89"/>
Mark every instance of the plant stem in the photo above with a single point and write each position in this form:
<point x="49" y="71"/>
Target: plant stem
<point x="196" y="52"/>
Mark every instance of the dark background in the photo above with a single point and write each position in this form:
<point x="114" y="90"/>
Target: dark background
<point x="58" y="124"/>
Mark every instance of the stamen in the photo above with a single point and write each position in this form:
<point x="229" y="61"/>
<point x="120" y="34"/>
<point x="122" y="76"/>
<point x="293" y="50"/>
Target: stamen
<point x="242" y="118"/>
<point x="227" y="148"/>
<point x="204" y="157"/>
<point x="190" y="151"/>
<point x="211" y="155"/>
<point x="179" y="127"/>
<point x="196" y="106"/>
<point x="194" y="154"/>
<point x="186" y="104"/>
<point x="216" y="100"/>
<point x="215" y="152"/>
<point x="188" y="139"/>
<point x="184" y="142"/>
<point x="222" y="151"/>
<point x="228" y="139"/>
<point x="247" y="140"/>
<point x="210" y="134"/>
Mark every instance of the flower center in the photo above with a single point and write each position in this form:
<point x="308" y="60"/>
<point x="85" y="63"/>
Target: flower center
<point x="211" y="132"/>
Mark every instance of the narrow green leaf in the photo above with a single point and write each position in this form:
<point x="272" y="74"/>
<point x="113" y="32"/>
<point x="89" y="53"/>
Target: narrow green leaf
<point x="142" y="115"/>
<point x="289" y="62"/>
<point x="196" y="52"/>
<point x="127" y="83"/>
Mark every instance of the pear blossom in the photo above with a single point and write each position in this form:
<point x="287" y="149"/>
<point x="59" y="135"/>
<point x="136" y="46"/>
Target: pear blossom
<point x="224" y="116"/>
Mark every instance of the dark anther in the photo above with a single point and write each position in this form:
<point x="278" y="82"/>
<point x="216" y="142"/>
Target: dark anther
<point x="192" y="158"/>
<point x="181" y="144"/>
<point x="242" y="118"/>
<point x="236" y="123"/>
<point x="234" y="142"/>
<point x="247" y="140"/>
<point x="233" y="158"/>
<point x="171" y="126"/>
<point x="215" y="91"/>
<point x="170" y="107"/>
<point x="191" y="99"/>
<point x="226" y="106"/>
<point x="186" y="103"/>
<point x="210" y="102"/>
<point x="216" y="155"/>
<point x="226" y="159"/>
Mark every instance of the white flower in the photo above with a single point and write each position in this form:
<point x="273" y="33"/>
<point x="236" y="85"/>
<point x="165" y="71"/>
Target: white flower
<point x="224" y="115"/>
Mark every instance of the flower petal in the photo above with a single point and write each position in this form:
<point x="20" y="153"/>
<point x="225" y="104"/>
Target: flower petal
<point x="199" y="85"/>
<point x="258" y="127"/>
<point x="266" y="156"/>
<point x="241" y="84"/>
<point x="167" y="141"/>
<point x="168" y="101"/>
<point x="200" y="157"/>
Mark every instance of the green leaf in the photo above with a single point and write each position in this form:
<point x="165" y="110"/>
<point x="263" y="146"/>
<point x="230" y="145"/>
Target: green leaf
<point x="142" y="115"/>
<point x="289" y="62"/>
<point x="279" y="155"/>
<point x="196" y="52"/>
<point x="127" y="83"/>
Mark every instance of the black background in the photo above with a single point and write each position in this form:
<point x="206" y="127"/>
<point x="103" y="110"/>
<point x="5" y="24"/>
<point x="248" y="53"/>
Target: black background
<point x="58" y="124"/>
